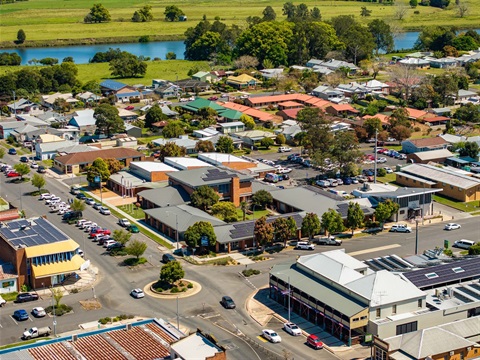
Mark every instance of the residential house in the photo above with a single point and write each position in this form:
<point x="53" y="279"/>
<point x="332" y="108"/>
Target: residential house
<point x="464" y="95"/>
<point x="230" y="115"/>
<point x="237" y="143"/>
<point x="26" y="133"/>
<point x="410" y="146"/>
<point x="445" y="111"/>
<point x="434" y="120"/>
<point x="341" y="110"/>
<point x="127" y="115"/>
<point x="257" y="115"/>
<point x="221" y="74"/>
<point x="111" y="87"/>
<point x="192" y="86"/>
<point x="252" y="138"/>
<point x="88" y="97"/>
<point x="353" y="89"/>
<point x="128" y="93"/>
<point x="7" y="127"/>
<point x="205" y="76"/>
<point x="200" y="103"/>
<point x="289" y="105"/>
<point x="424" y="157"/>
<point x="182" y="140"/>
<point x="49" y="100"/>
<point x="375" y="86"/>
<point x="382" y="117"/>
<point x="333" y="65"/>
<point x="442" y="63"/>
<point x="289" y="114"/>
<point x="289" y="129"/>
<point x="134" y="131"/>
<point x="77" y="162"/>
<point x="23" y="106"/>
<point x="76" y="148"/>
<point x="327" y="93"/>
<point x="52" y="117"/>
<point x="205" y="133"/>
<point x="272" y="73"/>
<point x="84" y="121"/>
<point x="414" y="114"/>
<point x="167" y="90"/>
<point x="243" y="81"/>
<point x="415" y="63"/>
<point x="45" y="150"/>
<point x="231" y="127"/>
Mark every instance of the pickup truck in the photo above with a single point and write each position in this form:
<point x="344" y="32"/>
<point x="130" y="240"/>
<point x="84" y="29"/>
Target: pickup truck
<point x="328" y="241"/>
<point x="36" y="332"/>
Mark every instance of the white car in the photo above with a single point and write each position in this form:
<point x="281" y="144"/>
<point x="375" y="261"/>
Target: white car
<point x="183" y="100"/>
<point x="38" y="312"/>
<point x="89" y="201"/>
<point x="452" y="226"/>
<point x="137" y="293"/>
<point x="245" y="96"/>
<point x="271" y="336"/>
<point x="191" y="98"/>
<point x="2" y="301"/>
<point x="269" y="162"/>
<point x="123" y="222"/>
<point x="34" y="165"/>
<point x="46" y="196"/>
<point x="104" y="210"/>
<point x="381" y="160"/>
<point x="282" y="149"/>
<point x="388" y="170"/>
<point x="292" y="329"/>
<point x="400" y="228"/>
<point x="108" y="243"/>
<point x="284" y="170"/>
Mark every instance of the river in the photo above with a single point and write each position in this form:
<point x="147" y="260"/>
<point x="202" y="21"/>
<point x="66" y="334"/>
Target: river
<point x="83" y="53"/>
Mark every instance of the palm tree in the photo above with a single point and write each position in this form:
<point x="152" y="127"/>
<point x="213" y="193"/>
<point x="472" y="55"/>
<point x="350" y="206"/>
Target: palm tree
<point x="77" y="205"/>
<point x="244" y="207"/>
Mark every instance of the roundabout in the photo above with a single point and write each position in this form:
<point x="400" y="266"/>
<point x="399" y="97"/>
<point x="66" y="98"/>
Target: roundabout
<point x="150" y="291"/>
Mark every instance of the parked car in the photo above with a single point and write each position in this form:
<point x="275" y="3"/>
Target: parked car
<point x="24" y="297"/>
<point x="97" y="206"/>
<point x="13" y="174"/>
<point x="166" y="258"/>
<point x="41" y="169"/>
<point x="116" y="246"/>
<point x="304" y="245"/>
<point x="46" y="196"/>
<point x="123" y="222"/>
<point x="314" y="342"/>
<point x="20" y="315"/>
<point x="137" y="293"/>
<point x="2" y="301"/>
<point x="74" y="190"/>
<point x="227" y="302"/>
<point x="388" y="170"/>
<point x="463" y="244"/>
<point x="213" y="98"/>
<point x="102" y="239"/>
<point x="271" y="336"/>
<point x="130" y="107"/>
<point x="283" y="149"/>
<point x="12" y="151"/>
<point x="133" y="229"/>
<point x="81" y="196"/>
<point x="400" y="228"/>
<point x="452" y="226"/>
<point x="24" y="159"/>
<point x="38" y="312"/>
<point x="104" y="210"/>
<point x="347" y="181"/>
<point x="89" y="201"/>
<point x="99" y="230"/>
<point x="328" y="241"/>
<point x="292" y="329"/>
<point x="108" y="243"/>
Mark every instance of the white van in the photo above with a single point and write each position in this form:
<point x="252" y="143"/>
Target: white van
<point x="464" y="244"/>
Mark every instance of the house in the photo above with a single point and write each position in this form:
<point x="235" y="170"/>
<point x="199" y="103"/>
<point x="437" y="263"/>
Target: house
<point x="232" y="127"/>
<point x="445" y="111"/>
<point x="205" y="133"/>
<point x="23" y="106"/>
<point x="84" y="121"/>
<point x="414" y="114"/>
<point x="230" y="185"/>
<point x="237" y="143"/>
<point x="465" y="95"/>
<point x="7" y="127"/>
<point x="205" y="76"/>
<point x="41" y="254"/>
<point x="257" y="115"/>
<point x="289" y="114"/>
<point x="26" y="133"/>
<point x="88" y="97"/>
<point x="327" y="93"/>
<point x="49" y="100"/>
<point x="353" y="89"/>
<point x="230" y="115"/>
<point x="289" y="105"/>
<point x="52" y="117"/>
<point x="375" y="86"/>
<point x="453" y="183"/>
<point x="384" y="119"/>
<point x="410" y="146"/>
<point x="77" y="162"/>
<point x="333" y="65"/>
<point x="221" y="74"/>
<point x="415" y="63"/>
<point x="289" y="129"/>
<point x="253" y="137"/>
<point x="128" y="93"/>
<point x="243" y="81"/>
<point x="127" y="115"/>
<point x="111" y="87"/>
<point x="434" y="120"/>
<point x="200" y="103"/>
<point x="182" y="140"/>
<point x="442" y="63"/>
<point x="341" y="110"/>
<point x="424" y="157"/>
<point x="272" y="73"/>
<point x="134" y="131"/>
<point x="193" y="86"/>
<point x="49" y="150"/>
<point x="167" y="90"/>
<point x="76" y="148"/>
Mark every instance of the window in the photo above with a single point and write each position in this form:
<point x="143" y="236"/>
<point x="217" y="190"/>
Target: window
<point x="406" y="328"/>
<point x="431" y="275"/>
<point x="402" y="212"/>
<point x="419" y="303"/>
<point x="457" y="270"/>
<point x="224" y="188"/>
<point x="379" y="313"/>
<point x="394" y="309"/>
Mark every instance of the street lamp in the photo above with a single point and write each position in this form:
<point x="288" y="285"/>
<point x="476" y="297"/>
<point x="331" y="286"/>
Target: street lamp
<point x="123" y="186"/>
<point x="54" y="316"/>
<point x="176" y="226"/>
<point x="253" y="218"/>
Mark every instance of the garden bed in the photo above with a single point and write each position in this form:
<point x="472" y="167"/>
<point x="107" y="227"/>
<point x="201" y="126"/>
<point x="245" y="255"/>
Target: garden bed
<point x="180" y="286"/>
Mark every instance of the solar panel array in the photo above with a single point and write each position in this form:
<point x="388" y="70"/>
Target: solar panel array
<point x="31" y="233"/>
<point x="445" y="273"/>
<point x="389" y="262"/>
<point x="245" y="229"/>
<point x="217" y="174"/>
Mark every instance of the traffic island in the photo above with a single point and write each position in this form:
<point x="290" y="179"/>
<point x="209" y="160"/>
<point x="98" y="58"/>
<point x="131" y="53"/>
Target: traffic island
<point x="194" y="289"/>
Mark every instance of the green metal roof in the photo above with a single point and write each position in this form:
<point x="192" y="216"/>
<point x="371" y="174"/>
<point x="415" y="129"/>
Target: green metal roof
<point x="314" y="287"/>
<point x="200" y="103"/>
<point x="230" y="114"/>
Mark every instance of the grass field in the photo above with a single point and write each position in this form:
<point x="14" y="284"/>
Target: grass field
<point x="48" y="20"/>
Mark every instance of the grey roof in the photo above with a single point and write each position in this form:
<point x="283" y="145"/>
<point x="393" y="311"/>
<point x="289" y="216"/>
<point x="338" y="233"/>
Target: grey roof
<point x="441" y="175"/>
<point x="84" y="117"/>
<point x="181" y="141"/>
<point x="318" y="289"/>
<point x="26" y="129"/>
<point x="167" y="111"/>
<point x="433" y="154"/>
<point x="463" y="93"/>
<point x="54" y="145"/>
<point x="167" y="196"/>
<point x="51" y="116"/>
<point x="75" y="148"/>
<point x="404" y="192"/>
<point x="181" y="216"/>
<point x="207" y="176"/>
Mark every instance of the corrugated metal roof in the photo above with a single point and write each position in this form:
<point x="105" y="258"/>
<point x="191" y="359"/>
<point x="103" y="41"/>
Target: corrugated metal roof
<point x="52" y="248"/>
<point x="61" y="267"/>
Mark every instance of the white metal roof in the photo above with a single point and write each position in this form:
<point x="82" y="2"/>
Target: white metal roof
<point x="219" y="158"/>
<point x="195" y="346"/>
<point x="183" y="163"/>
<point x="151" y="166"/>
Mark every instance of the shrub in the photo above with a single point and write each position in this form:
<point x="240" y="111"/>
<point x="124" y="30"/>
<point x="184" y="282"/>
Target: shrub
<point x="123" y="317"/>
<point x="105" y="320"/>
<point x="417" y="128"/>
<point x="416" y="12"/>
<point x="144" y="39"/>
<point x="190" y="285"/>
<point x="174" y="290"/>
<point x="250" y="272"/>
<point x="59" y="310"/>
<point x="74" y="291"/>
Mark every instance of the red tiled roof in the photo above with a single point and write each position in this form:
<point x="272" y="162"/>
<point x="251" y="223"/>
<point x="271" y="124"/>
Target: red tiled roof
<point x="89" y="156"/>
<point x="425" y="142"/>
<point x="255" y="113"/>
<point x="159" y="124"/>
<point x="169" y="339"/>
<point x="344" y="107"/>
<point x="97" y="347"/>
<point x="291" y="113"/>
<point x="54" y="351"/>
<point x="415" y="114"/>
<point x="139" y="343"/>
<point x="383" y="118"/>
<point x="290" y="104"/>
<point x="434" y="118"/>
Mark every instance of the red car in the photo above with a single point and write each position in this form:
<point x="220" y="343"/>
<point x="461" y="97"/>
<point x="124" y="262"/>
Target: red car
<point x="213" y="98"/>
<point x="130" y="107"/>
<point x="99" y="231"/>
<point x="13" y="174"/>
<point x="314" y="342"/>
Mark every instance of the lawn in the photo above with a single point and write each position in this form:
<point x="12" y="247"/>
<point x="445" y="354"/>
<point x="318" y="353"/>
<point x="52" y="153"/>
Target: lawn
<point x="59" y="22"/>
<point x="133" y="211"/>
<point x="471" y="206"/>
<point x="258" y="214"/>
<point x="389" y="178"/>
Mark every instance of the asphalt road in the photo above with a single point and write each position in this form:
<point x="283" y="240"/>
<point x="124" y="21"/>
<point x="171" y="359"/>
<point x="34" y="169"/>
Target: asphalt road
<point x="202" y="310"/>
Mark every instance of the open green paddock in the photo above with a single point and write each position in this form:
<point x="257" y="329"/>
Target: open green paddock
<point x="49" y="20"/>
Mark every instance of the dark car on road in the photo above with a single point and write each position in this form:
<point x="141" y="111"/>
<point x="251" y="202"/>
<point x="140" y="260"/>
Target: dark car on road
<point x="227" y="302"/>
<point x="41" y="169"/>
<point x="81" y="196"/>
<point x="12" y="151"/>
<point x="24" y="159"/>
<point x="116" y="246"/>
<point x="26" y="297"/>
<point x="166" y="258"/>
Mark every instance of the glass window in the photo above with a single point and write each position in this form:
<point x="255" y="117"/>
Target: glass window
<point x="419" y="303"/>
<point x="394" y="309"/>
<point x="378" y="313"/>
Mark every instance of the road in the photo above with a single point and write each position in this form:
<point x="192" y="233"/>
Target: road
<point x="203" y="310"/>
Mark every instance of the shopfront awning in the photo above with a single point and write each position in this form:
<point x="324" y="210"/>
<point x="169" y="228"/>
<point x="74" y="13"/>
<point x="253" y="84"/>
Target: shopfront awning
<point x="61" y="267"/>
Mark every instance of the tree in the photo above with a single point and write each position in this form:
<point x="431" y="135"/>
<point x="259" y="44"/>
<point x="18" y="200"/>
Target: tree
<point x="345" y="152"/>
<point x="98" y="168"/>
<point x="170" y="56"/>
<point x="310" y="225"/>
<point x="385" y="210"/>
<point x="405" y="77"/>
<point x="244" y="208"/>
<point x="153" y="115"/>
<point x="173" y="129"/>
<point x="78" y="205"/>
<point x="470" y="149"/>
<point x="68" y="59"/>
<point x="98" y="13"/>
<point x="246" y="62"/>
<point x="21" y="37"/>
<point x="128" y="65"/>
<point x="143" y="15"/>
<point x="263" y="232"/>
<point x="372" y="125"/>
<point x="137" y="248"/>
<point x="282" y="230"/>
<point x="170" y="149"/>
<point x="171" y="272"/>
<point x="107" y="119"/>
<point x="114" y="165"/>
<point x="280" y="139"/>
<point x="226" y="210"/>
<point x="204" y="197"/>
<point x="355" y="216"/>
<point x="57" y="294"/>
<point x="400" y="11"/>
<point x="332" y="222"/>
<point x="399" y="116"/>
<point x="262" y="198"/>
<point x="173" y="13"/>
<point x="413" y="3"/>
<point x="266" y="142"/>
<point x="248" y="121"/>
<point x="469" y="113"/>
<point x="38" y="181"/>
<point x="62" y="105"/>
<point x="22" y="168"/>
<point x="204" y="146"/>
<point x="365" y="12"/>
<point x="121" y="236"/>
<point x="382" y="35"/>
<point x="201" y="229"/>
<point x="269" y="14"/>
<point x="225" y="145"/>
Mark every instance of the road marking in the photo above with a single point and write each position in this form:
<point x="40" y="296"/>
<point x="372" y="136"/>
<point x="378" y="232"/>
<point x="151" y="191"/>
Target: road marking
<point x="261" y="338"/>
<point x="366" y="251"/>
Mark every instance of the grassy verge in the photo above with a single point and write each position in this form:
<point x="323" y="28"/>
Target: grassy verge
<point x="389" y="178"/>
<point x="471" y="206"/>
<point x="10" y="296"/>
<point x="218" y="262"/>
<point x="133" y="211"/>
<point x="257" y="215"/>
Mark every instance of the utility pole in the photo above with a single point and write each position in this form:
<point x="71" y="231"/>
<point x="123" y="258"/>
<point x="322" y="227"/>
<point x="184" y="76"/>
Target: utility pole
<point x="416" y="235"/>
<point x="178" y="318"/>
<point x="289" y="292"/>
<point x="375" y="158"/>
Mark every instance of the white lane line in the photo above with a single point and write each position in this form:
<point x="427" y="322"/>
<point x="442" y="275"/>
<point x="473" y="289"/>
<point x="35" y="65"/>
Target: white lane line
<point x="366" y="251"/>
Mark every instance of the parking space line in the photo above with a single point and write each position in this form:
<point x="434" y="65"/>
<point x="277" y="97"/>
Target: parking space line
<point x="15" y="321"/>
<point x="380" y="248"/>
<point x="261" y="338"/>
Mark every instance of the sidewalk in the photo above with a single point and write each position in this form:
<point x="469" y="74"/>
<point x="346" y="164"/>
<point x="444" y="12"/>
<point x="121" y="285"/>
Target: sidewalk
<point x="262" y="309"/>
